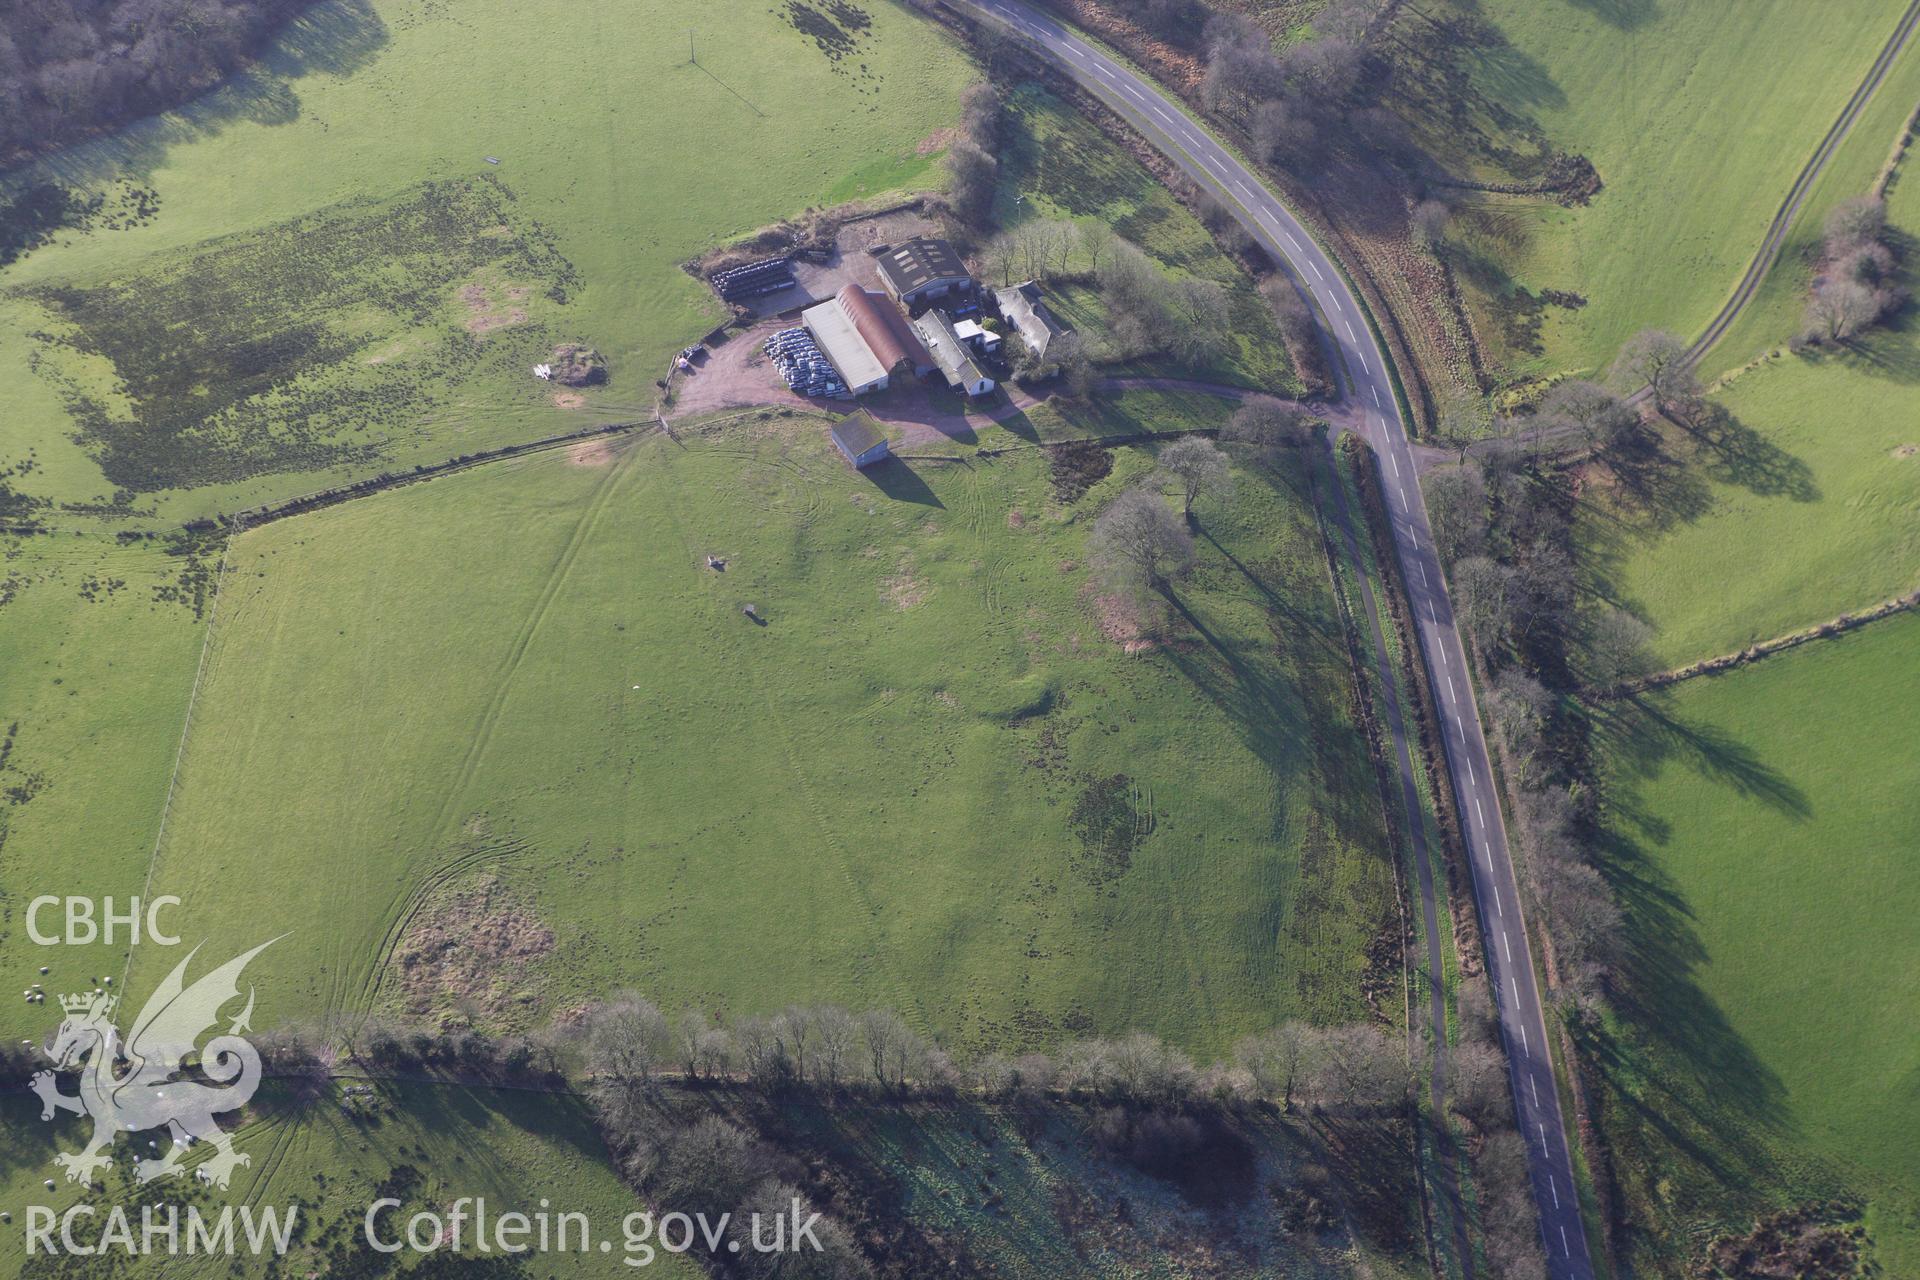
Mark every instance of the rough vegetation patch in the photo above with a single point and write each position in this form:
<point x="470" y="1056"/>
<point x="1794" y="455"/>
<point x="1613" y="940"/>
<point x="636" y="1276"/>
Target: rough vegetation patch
<point x="245" y="355"/>
<point x="470" y="946"/>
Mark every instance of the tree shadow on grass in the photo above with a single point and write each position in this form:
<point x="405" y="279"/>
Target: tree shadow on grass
<point x="1706" y="1104"/>
<point x="1623" y="14"/>
<point x="336" y="38"/>
<point x="1734" y="453"/>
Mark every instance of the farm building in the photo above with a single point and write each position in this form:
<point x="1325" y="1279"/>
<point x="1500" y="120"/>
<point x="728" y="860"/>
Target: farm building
<point x="865" y="338"/>
<point x="953" y="354"/>
<point x="885" y="330"/>
<point x="840" y="342"/>
<point x="859" y="438"/>
<point x="923" y="270"/>
<point x="1037" y="325"/>
<point x="977" y="336"/>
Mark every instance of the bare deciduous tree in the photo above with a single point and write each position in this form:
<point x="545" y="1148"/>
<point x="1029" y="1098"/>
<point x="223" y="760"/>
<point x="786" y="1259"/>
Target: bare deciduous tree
<point x="1595" y="414"/>
<point x="839" y="1039"/>
<point x="1360" y="1067"/>
<point x="1483" y="597"/>
<point x="1267" y="425"/>
<point x="1196" y="468"/>
<point x="1457" y="510"/>
<point x="1859" y="221"/>
<point x="1096" y="238"/>
<point x="893" y="1050"/>
<point x="1278" y="1060"/>
<point x="1139" y="543"/>
<point x="1657" y="360"/>
<point x="1428" y="224"/>
<point x="1615" y="645"/>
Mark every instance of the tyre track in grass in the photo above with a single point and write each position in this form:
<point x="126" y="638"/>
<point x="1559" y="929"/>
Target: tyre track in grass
<point x="502" y="682"/>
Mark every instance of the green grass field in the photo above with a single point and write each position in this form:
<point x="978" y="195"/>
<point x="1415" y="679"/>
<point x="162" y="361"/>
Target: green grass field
<point x="383" y="307"/>
<point x="1813" y="506"/>
<point x="1056" y="163"/>
<point x="426" y="1145"/>
<point x="928" y="781"/>
<point x="1763" y="824"/>
<point x="99" y="668"/>
<point x="1697" y="125"/>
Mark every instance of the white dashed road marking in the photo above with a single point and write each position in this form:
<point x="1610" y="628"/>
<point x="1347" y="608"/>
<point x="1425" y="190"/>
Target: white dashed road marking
<point x="1506" y="945"/>
<point x="1535" y="1082"/>
<point x="1555" y="1188"/>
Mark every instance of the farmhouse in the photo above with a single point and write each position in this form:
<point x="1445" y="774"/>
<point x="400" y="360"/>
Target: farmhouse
<point x="1037" y="325"/>
<point x="953" y="354"/>
<point x="923" y="270"/>
<point x="858" y="437"/>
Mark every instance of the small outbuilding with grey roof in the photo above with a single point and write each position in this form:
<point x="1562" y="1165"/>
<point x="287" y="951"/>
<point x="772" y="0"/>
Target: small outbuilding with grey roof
<point x="923" y="270"/>
<point x="859" y="437"/>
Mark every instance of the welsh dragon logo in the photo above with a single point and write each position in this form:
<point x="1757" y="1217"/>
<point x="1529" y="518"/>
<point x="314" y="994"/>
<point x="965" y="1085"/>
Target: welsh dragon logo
<point x="139" y="1084"/>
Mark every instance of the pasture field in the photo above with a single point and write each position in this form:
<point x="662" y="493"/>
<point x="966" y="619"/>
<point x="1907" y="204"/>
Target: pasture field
<point x="517" y="708"/>
<point x="1056" y="163"/>
<point x="1777" y="311"/>
<point x="283" y="288"/>
<point x="1808" y="508"/>
<point x="98" y="648"/>
<point x="1696" y="124"/>
<point x="1762" y="828"/>
<point x="426" y="1145"/>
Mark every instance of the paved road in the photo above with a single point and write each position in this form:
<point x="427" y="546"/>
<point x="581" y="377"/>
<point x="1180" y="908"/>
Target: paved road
<point x="1522" y="1023"/>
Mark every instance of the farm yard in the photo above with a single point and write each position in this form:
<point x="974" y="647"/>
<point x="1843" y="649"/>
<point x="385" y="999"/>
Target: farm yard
<point x="353" y="355"/>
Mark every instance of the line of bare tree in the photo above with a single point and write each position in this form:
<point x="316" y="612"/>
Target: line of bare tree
<point x="973" y="165"/>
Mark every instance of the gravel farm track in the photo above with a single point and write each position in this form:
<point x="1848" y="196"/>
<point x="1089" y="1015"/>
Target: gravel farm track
<point x="1776" y="237"/>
